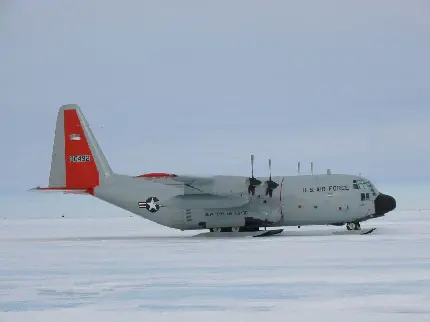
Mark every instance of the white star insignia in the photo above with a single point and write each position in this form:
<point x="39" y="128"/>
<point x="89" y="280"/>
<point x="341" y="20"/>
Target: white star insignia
<point x="152" y="204"/>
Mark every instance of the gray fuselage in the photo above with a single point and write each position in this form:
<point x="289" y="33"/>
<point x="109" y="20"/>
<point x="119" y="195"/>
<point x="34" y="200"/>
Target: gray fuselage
<point x="300" y="200"/>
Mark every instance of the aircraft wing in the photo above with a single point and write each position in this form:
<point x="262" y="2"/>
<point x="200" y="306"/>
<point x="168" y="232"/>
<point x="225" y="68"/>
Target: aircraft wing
<point x="190" y="184"/>
<point x="199" y="191"/>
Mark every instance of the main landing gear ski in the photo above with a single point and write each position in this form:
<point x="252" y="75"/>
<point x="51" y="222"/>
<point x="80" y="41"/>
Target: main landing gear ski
<point x="256" y="233"/>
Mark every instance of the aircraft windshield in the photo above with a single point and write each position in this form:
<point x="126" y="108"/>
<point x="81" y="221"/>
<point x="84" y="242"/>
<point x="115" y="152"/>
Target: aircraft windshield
<point x="363" y="185"/>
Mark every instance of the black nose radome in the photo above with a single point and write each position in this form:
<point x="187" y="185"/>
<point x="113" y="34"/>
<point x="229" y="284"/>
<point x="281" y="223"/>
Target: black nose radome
<point x="384" y="204"/>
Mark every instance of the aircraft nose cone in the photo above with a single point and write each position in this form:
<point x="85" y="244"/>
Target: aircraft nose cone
<point x="384" y="203"/>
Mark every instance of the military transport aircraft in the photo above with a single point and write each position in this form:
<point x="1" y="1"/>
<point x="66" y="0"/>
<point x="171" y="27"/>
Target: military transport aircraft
<point x="224" y="205"/>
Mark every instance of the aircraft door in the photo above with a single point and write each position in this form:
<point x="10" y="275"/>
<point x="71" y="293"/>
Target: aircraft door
<point x="192" y="218"/>
<point x="187" y="216"/>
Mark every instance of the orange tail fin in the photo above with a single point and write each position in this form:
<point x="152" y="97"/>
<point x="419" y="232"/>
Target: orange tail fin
<point x="77" y="160"/>
<point x="81" y="169"/>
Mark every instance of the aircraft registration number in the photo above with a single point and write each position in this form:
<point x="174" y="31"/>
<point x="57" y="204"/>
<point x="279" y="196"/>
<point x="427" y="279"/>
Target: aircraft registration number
<point x="79" y="158"/>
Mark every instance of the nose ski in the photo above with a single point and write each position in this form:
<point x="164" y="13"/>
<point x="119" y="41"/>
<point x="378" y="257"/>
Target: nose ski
<point x="365" y="231"/>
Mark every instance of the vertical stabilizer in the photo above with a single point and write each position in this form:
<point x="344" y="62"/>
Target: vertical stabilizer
<point x="77" y="160"/>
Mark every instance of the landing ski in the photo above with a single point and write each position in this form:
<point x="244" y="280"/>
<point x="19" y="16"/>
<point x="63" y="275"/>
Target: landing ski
<point x="365" y="231"/>
<point x="259" y="233"/>
<point x="265" y="233"/>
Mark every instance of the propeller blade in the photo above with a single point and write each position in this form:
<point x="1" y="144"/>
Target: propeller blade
<point x="270" y="169"/>
<point x="252" y="165"/>
<point x="271" y="185"/>
<point x="253" y="182"/>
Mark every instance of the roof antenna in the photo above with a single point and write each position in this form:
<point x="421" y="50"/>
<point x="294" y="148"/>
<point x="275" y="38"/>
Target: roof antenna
<point x="312" y="167"/>
<point x="298" y="168"/>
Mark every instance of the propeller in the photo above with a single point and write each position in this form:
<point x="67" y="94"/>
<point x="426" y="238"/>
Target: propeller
<point x="271" y="185"/>
<point x="253" y="182"/>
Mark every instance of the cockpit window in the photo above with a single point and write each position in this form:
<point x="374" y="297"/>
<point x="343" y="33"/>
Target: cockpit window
<point x="363" y="184"/>
<point x="354" y="184"/>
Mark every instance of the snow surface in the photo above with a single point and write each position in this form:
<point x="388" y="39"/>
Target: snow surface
<point x="128" y="269"/>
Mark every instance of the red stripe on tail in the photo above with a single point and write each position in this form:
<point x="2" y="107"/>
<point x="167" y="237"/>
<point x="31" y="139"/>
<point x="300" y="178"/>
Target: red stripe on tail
<point x="81" y="169"/>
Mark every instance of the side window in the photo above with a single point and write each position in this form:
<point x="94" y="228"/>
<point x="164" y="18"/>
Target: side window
<point x="363" y="196"/>
<point x="367" y="196"/>
<point x="354" y="184"/>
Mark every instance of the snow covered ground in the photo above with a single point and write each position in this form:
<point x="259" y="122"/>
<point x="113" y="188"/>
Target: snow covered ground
<point x="128" y="269"/>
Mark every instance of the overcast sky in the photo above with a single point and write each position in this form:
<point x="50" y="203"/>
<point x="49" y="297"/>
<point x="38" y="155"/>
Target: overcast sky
<point x="196" y="86"/>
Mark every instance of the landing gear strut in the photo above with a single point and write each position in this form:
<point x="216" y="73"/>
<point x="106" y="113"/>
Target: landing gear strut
<point x="233" y="229"/>
<point x="353" y="226"/>
<point x="224" y="230"/>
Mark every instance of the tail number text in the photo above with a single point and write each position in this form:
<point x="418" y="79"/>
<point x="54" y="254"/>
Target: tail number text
<point x="79" y="158"/>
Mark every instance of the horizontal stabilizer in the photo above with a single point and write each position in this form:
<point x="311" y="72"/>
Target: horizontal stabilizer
<point x="63" y="190"/>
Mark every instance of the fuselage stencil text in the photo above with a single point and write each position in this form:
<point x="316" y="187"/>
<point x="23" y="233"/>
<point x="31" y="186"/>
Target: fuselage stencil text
<point x="326" y="189"/>
<point x="226" y="213"/>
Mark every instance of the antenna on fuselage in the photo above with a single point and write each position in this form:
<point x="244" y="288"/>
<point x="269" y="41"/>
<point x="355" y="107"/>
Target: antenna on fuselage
<point x="329" y="171"/>
<point x="298" y="168"/>
<point x="312" y="167"/>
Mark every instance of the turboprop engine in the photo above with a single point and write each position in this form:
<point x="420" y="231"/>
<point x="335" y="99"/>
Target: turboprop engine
<point x="252" y="211"/>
